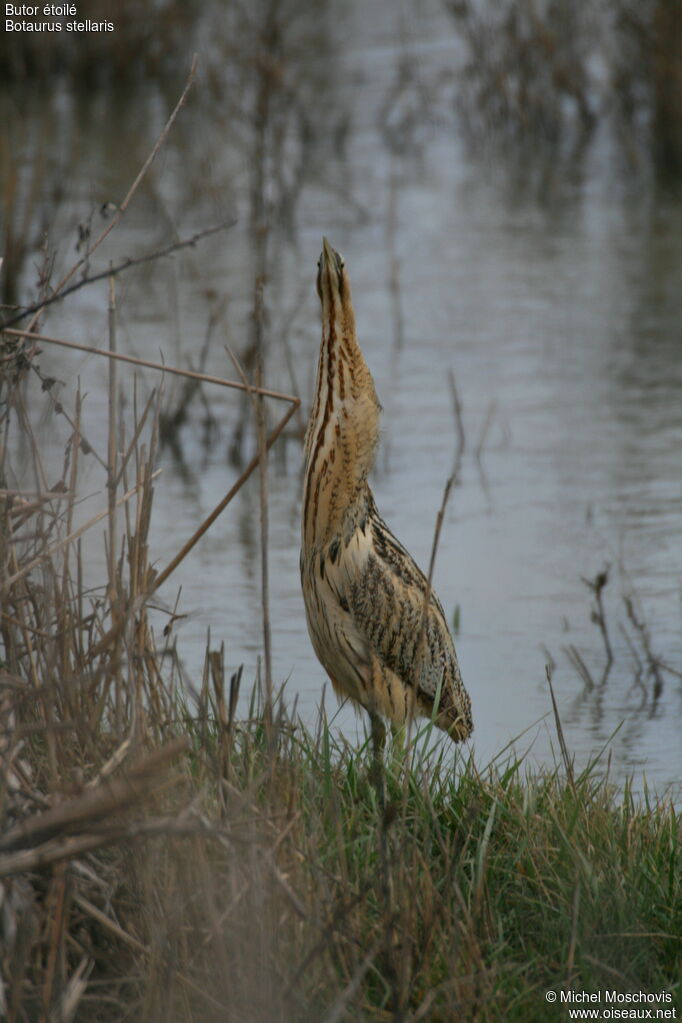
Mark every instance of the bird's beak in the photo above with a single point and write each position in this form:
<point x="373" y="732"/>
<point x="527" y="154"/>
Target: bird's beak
<point x="331" y="280"/>
<point x="328" y="253"/>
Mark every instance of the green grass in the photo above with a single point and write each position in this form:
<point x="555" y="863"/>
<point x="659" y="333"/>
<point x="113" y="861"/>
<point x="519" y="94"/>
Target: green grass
<point x="467" y="896"/>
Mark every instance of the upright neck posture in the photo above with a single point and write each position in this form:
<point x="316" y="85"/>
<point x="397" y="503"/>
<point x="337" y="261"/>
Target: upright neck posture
<point x="344" y="424"/>
<point x="375" y="623"/>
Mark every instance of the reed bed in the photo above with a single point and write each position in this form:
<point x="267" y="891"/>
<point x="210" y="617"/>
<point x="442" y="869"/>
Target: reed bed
<point x="165" y="858"/>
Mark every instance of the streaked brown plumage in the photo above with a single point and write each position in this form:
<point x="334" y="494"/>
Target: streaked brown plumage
<point x="365" y="598"/>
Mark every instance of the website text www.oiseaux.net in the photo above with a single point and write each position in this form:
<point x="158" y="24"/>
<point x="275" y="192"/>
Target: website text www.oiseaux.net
<point x="608" y="1005"/>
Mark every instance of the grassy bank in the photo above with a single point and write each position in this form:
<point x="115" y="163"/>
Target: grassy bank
<point x="161" y="859"/>
<point x="260" y="881"/>
<point x="468" y="897"/>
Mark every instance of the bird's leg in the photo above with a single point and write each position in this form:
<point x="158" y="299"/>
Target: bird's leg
<point x="378" y="775"/>
<point x="378" y="743"/>
<point x="378" y="735"/>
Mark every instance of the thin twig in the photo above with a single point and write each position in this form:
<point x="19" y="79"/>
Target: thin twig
<point x="272" y="437"/>
<point x="113" y="271"/>
<point x="128" y="939"/>
<point x="160" y="366"/>
<point x="578" y="663"/>
<point x="109" y="636"/>
<point x="262" y="452"/>
<point x="434" y="548"/>
<point x="653" y="662"/>
<point x="58" y="408"/>
<point x="459" y="422"/>
<point x="110" y="925"/>
<point x="338" y="1009"/>
<point x="132" y="447"/>
<point x="65" y="1010"/>
<point x="95" y="803"/>
<point x="29" y="628"/>
<point x="269" y="30"/>
<point x="597" y="586"/>
<point x="112" y="460"/>
<point x="68" y="539"/>
<point x="148" y="162"/>
<point x="132" y="190"/>
<point x="35" y="495"/>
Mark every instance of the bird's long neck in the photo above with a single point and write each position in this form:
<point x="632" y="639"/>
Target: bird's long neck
<point x="344" y="424"/>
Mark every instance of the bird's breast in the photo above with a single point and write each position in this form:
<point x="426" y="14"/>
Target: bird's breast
<point x="330" y="573"/>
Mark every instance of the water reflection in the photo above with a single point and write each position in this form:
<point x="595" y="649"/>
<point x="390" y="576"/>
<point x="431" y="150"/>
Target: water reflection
<point x="551" y="288"/>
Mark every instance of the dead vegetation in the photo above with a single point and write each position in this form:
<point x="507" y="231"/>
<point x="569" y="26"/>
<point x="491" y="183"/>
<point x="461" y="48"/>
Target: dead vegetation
<point x="162" y="859"/>
<point x="92" y="713"/>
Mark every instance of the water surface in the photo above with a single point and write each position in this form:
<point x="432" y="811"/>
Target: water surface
<point x="551" y="288"/>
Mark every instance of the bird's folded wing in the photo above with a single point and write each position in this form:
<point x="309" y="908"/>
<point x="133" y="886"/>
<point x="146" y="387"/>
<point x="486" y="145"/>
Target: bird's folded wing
<point x="387" y="605"/>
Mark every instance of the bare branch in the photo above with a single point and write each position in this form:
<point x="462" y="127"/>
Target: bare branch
<point x="125" y="264"/>
<point x="160" y="366"/>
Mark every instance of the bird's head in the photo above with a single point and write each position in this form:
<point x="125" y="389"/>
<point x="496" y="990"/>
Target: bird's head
<point x="333" y="287"/>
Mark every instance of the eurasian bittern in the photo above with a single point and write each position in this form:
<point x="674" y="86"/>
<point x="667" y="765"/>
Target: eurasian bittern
<point x="375" y="624"/>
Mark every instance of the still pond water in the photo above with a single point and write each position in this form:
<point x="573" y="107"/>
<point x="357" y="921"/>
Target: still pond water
<point x="552" y="290"/>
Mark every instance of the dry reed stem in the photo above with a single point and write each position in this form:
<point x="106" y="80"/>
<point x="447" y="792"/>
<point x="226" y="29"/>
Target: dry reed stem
<point x="434" y="548"/>
<point x="160" y="366"/>
<point x="34" y="495"/>
<point x="34" y="632"/>
<point x="339" y="1009"/>
<point x="46" y="697"/>
<point x="257" y="403"/>
<point x="132" y="447"/>
<point x="97" y="802"/>
<point x="105" y="641"/>
<point x="57" y="938"/>
<point x="597" y="586"/>
<point x="114" y="761"/>
<point x="112" y="457"/>
<point x="56" y="850"/>
<point x="74" y="990"/>
<point x="459" y="421"/>
<point x="253" y="464"/>
<point x="20" y="573"/>
<point x="568" y="763"/>
<point x="109" y="924"/>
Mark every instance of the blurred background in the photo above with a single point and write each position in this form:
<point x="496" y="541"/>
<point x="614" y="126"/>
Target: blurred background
<point x="504" y="181"/>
